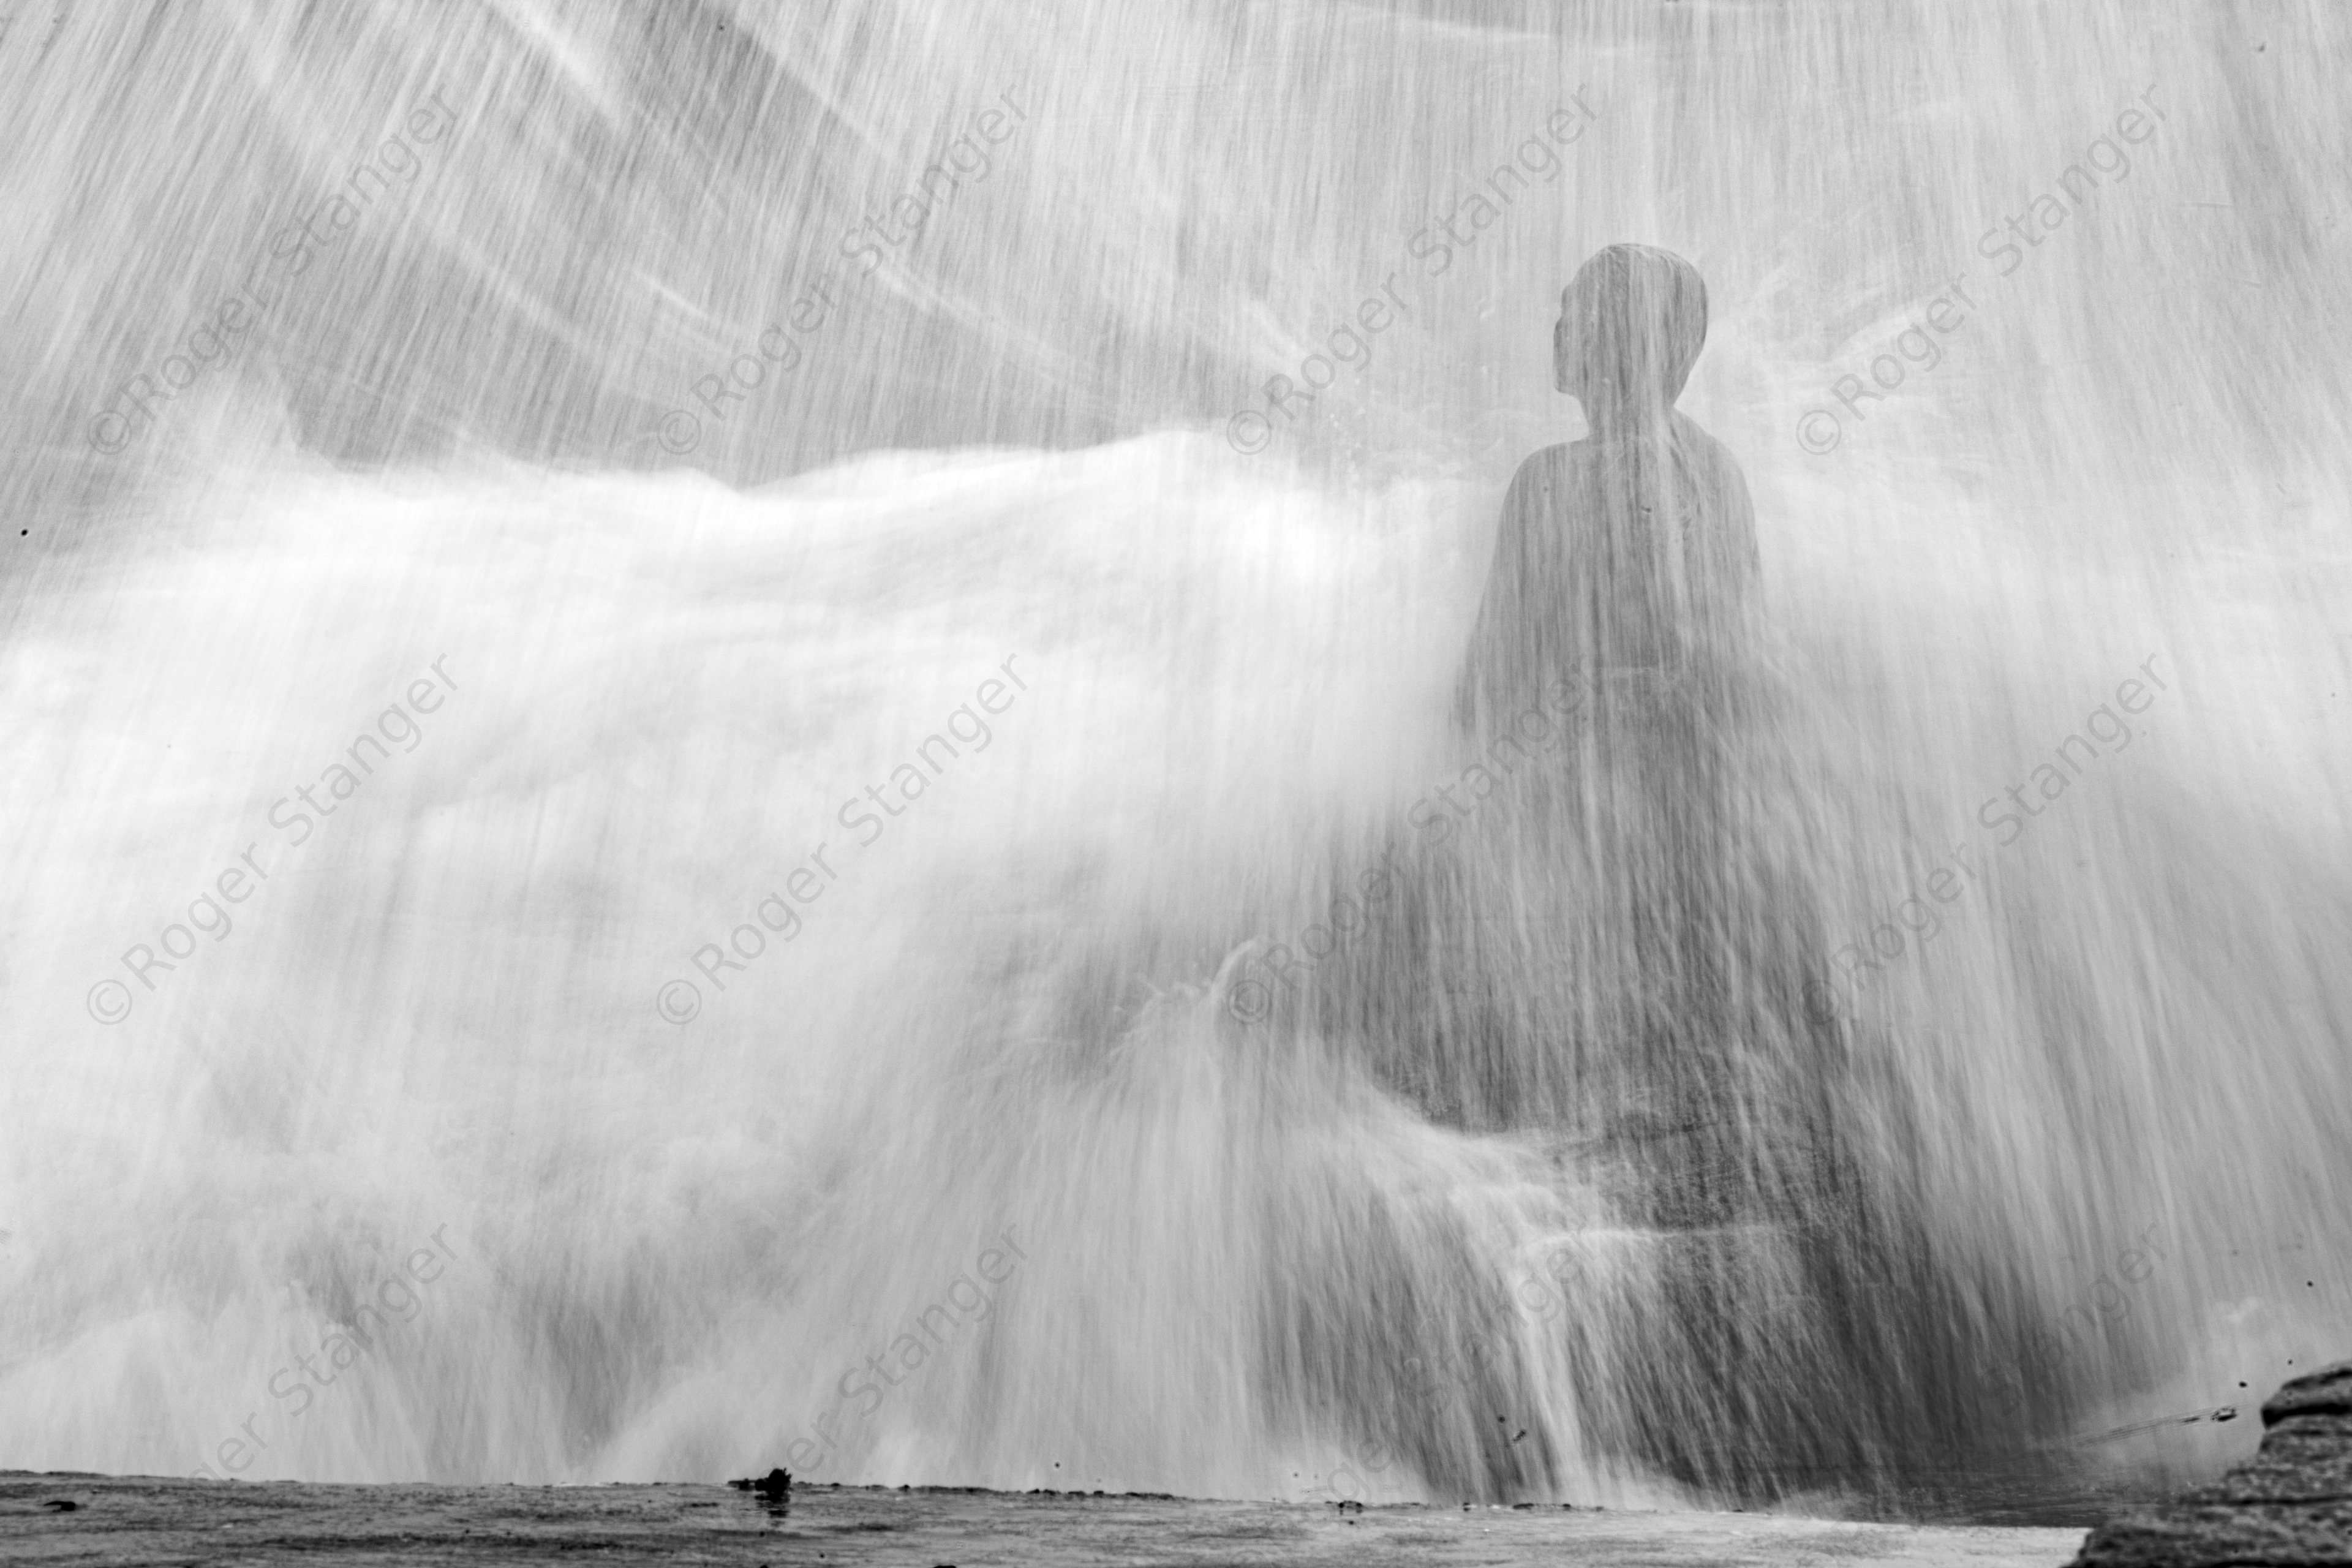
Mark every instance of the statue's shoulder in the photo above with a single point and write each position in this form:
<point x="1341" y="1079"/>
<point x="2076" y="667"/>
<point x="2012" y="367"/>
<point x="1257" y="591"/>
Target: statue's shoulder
<point x="1723" y="494"/>
<point x="1550" y="459"/>
<point x="1544" y="472"/>
<point x="1708" y="459"/>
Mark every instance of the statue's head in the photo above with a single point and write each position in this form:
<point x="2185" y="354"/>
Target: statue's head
<point x="1630" y="329"/>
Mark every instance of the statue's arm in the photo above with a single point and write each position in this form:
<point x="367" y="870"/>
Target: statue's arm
<point x="1501" y="638"/>
<point x="1739" y="512"/>
<point x="1736" y="563"/>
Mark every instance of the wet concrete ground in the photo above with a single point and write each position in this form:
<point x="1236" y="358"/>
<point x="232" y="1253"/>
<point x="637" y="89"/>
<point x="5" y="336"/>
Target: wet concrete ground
<point x="156" y="1521"/>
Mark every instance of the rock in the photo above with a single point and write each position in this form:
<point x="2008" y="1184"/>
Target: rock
<point x="776" y="1486"/>
<point x="2290" y="1504"/>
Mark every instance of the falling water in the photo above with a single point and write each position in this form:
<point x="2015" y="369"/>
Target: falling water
<point x="648" y="1053"/>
